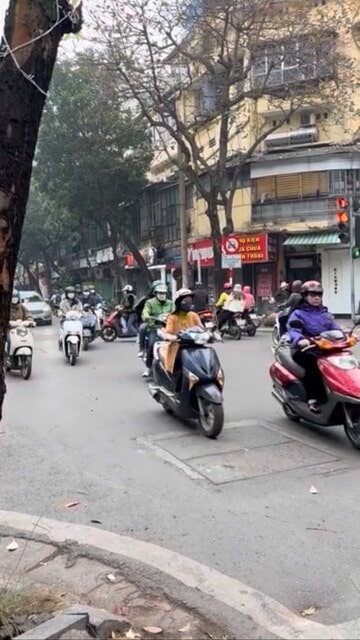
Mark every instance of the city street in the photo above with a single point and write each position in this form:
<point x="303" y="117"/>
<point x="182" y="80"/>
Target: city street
<point x="241" y="504"/>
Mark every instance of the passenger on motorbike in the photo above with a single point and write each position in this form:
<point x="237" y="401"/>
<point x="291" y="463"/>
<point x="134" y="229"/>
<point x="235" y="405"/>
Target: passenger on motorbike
<point x="201" y="297"/>
<point x="69" y="303"/>
<point x="295" y="295"/>
<point x="312" y="319"/>
<point x="182" y="318"/>
<point x="95" y="298"/>
<point x="234" y="304"/>
<point x="138" y="309"/>
<point x="153" y="308"/>
<point x="282" y="296"/>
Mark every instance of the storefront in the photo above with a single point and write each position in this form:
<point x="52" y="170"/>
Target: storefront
<point x="258" y="258"/>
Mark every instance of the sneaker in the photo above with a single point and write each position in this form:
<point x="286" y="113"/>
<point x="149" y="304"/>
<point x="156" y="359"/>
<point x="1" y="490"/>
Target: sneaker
<point x="140" y="354"/>
<point x="313" y="406"/>
<point x="146" y="373"/>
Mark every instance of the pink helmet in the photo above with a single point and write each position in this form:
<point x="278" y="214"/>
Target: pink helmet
<point x="227" y="285"/>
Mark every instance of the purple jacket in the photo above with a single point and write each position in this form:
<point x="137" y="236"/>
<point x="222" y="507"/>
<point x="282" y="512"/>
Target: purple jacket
<point x="315" y="321"/>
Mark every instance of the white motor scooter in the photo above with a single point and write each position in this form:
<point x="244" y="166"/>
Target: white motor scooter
<point x="71" y="336"/>
<point x="20" y="347"/>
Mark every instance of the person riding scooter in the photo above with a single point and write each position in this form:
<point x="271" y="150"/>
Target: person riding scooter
<point x="309" y="320"/>
<point x="234" y="304"/>
<point x="223" y="297"/>
<point x="154" y="307"/>
<point x="183" y="317"/>
<point x="69" y="303"/>
<point x="138" y="309"/>
<point x="18" y="311"/>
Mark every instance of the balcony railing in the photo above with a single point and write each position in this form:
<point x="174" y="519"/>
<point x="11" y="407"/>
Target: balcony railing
<point x="295" y="210"/>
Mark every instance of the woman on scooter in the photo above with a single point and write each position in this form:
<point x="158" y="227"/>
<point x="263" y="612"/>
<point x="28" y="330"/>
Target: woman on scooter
<point x="311" y="319"/>
<point x="182" y="318"/>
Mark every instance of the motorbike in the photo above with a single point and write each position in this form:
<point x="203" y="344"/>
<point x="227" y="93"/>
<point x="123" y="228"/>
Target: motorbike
<point x="112" y="327"/>
<point x="341" y="375"/>
<point x="198" y="393"/>
<point x="89" y="321"/>
<point x="20" y="348"/>
<point x="234" y="326"/>
<point x="71" y="336"/>
<point x="280" y="325"/>
<point x="250" y="322"/>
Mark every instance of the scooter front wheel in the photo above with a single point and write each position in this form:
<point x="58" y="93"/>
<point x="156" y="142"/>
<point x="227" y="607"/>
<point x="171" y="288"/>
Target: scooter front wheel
<point x="86" y="343"/>
<point x="26" y="367"/>
<point x="251" y="330"/>
<point x="108" y="334"/>
<point x="73" y="354"/>
<point x="211" y="418"/>
<point x="275" y="337"/>
<point x="353" y="431"/>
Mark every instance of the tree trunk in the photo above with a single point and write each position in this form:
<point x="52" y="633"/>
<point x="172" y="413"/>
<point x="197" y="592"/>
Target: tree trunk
<point x="32" y="279"/>
<point x="146" y="274"/>
<point x="21" y="105"/>
<point x="215" y="230"/>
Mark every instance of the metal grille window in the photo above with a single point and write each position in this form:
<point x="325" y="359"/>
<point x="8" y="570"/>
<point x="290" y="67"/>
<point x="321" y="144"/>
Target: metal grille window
<point x="170" y="213"/>
<point x="344" y="181"/>
<point x="189" y="196"/>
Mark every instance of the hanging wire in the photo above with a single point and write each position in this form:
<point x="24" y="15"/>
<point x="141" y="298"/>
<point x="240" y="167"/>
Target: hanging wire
<point x="72" y="15"/>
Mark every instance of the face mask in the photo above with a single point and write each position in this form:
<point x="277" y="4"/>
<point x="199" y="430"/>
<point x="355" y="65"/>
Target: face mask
<point x="92" y="291"/>
<point x="161" y="297"/>
<point x="186" y="305"/>
<point x="71" y="296"/>
<point x="15" y="300"/>
<point x="86" y="293"/>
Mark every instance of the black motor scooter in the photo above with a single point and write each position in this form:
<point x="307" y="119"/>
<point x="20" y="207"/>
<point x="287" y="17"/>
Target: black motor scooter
<point x="197" y="393"/>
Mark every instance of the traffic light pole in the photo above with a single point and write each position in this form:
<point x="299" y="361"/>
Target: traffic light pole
<point x="351" y="258"/>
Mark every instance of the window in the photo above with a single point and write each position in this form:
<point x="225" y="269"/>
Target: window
<point x="282" y="63"/>
<point x="291" y="186"/>
<point x="345" y="182"/>
<point x="170" y="213"/>
<point x="154" y="208"/>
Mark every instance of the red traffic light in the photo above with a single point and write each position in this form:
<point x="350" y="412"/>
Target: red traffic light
<point x="342" y="203"/>
<point x="342" y="217"/>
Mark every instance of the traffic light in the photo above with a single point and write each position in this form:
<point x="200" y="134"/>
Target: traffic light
<point x="343" y="220"/>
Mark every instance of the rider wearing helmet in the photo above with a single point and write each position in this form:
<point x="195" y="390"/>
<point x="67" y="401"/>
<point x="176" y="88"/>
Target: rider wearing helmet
<point x="138" y="309"/>
<point x="183" y="317"/>
<point x="295" y="295"/>
<point x="154" y="307"/>
<point x="234" y="304"/>
<point x="224" y="296"/>
<point x="70" y="302"/>
<point x="312" y="319"/>
<point x="18" y="311"/>
<point x="281" y="297"/>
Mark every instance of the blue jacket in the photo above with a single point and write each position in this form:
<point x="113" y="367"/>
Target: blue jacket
<point x="315" y="321"/>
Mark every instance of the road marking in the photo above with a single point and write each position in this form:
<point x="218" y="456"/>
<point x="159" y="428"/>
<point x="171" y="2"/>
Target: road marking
<point x="262" y="609"/>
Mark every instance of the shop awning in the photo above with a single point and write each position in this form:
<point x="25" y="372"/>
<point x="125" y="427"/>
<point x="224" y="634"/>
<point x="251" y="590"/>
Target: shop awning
<point x="306" y="239"/>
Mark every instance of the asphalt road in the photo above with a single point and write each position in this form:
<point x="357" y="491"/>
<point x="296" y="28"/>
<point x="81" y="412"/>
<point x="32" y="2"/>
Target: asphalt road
<point x="241" y="504"/>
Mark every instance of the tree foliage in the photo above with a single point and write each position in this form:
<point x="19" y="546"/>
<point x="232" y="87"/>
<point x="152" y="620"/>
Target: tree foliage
<point x="92" y="153"/>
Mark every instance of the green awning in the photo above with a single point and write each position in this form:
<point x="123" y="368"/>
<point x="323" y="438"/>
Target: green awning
<point x="306" y="239"/>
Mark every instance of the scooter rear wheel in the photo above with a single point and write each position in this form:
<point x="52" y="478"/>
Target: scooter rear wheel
<point x="251" y="330"/>
<point x="108" y="334"/>
<point x="86" y="343"/>
<point x="211" y="418"/>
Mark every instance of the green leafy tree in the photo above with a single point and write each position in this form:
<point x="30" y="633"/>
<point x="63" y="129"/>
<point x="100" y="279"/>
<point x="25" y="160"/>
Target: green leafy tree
<point x="93" y="153"/>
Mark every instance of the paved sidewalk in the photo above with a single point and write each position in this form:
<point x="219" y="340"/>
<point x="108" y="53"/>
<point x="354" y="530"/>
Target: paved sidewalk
<point x="74" y="579"/>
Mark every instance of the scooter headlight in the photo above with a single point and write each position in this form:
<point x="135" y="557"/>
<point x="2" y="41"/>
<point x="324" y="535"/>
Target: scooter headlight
<point x="346" y="362"/>
<point x="220" y="377"/>
<point x="21" y="331"/>
<point x="193" y="380"/>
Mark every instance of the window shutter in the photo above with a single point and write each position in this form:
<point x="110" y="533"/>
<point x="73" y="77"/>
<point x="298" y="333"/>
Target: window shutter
<point x="314" y="183"/>
<point x="288" y="186"/>
<point x="264" y="189"/>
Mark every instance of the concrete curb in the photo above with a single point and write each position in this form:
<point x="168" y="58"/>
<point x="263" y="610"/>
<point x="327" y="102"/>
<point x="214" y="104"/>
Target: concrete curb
<point x="265" y="612"/>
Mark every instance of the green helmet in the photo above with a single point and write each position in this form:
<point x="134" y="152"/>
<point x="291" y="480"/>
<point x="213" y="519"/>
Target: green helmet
<point x="154" y="285"/>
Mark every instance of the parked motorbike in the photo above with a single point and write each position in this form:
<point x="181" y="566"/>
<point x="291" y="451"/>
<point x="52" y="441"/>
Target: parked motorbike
<point x="88" y="320"/>
<point x="112" y="327"/>
<point x="71" y="336"/>
<point x="341" y="375"/>
<point x="197" y="393"/>
<point x="19" y="355"/>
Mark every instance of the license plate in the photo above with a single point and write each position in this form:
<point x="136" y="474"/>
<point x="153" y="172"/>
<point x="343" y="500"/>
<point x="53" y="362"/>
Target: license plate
<point x="87" y="333"/>
<point x="253" y="316"/>
<point x="240" y="322"/>
<point x="209" y="325"/>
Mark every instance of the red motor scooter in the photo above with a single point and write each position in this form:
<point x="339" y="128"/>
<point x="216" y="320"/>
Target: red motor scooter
<point x="112" y="328"/>
<point x="341" y="376"/>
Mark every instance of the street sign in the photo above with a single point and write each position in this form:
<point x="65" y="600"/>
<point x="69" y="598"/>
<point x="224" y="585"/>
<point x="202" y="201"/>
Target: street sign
<point x="230" y="262"/>
<point x="230" y="245"/>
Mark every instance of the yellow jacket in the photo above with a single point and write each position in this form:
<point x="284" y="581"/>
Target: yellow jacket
<point x="178" y="322"/>
<point x="223" y="297"/>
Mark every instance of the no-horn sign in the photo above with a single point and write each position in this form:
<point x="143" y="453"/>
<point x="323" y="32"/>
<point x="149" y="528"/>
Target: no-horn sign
<point x="230" y="245"/>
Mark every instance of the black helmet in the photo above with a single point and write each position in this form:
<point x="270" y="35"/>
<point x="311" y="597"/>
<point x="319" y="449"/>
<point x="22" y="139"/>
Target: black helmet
<point x="311" y="286"/>
<point x="69" y="290"/>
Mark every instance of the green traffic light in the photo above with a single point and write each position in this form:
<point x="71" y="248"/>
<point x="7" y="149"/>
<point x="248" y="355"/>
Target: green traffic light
<point x="356" y="253"/>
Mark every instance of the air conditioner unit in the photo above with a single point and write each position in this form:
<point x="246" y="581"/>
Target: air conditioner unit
<point x="307" y="119"/>
<point x="303" y="136"/>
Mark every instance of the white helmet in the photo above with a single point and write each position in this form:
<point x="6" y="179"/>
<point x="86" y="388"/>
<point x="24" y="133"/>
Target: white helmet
<point x="182" y="293"/>
<point x="284" y="285"/>
<point x="237" y="288"/>
<point x="128" y="289"/>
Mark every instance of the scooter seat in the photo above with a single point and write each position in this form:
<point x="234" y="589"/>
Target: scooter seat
<point x="284" y="355"/>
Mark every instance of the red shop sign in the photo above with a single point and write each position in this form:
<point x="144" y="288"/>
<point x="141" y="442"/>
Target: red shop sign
<point x="253" y="248"/>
